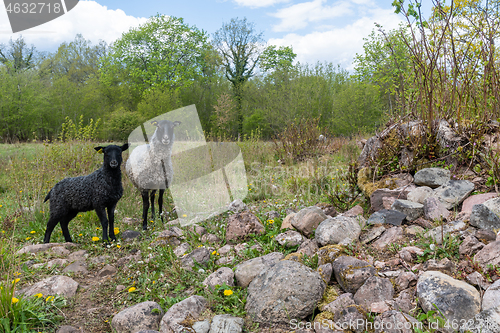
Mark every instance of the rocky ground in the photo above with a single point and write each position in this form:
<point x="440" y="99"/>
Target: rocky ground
<point x="426" y="253"/>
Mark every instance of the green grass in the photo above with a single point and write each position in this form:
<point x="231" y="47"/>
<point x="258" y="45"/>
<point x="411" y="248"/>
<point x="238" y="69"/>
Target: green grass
<point x="30" y="170"/>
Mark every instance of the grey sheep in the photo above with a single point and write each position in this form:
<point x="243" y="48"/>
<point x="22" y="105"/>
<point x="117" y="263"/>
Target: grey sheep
<point x="149" y="167"/>
<point x="98" y="191"/>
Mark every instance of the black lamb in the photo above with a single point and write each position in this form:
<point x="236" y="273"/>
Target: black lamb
<point x="100" y="190"/>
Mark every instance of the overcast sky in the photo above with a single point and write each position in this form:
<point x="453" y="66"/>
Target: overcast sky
<point x="318" y="30"/>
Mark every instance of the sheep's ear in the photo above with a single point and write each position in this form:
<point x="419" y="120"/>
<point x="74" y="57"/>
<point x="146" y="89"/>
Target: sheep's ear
<point x="125" y="147"/>
<point x="99" y="150"/>
<point x="177" y="123"/>
<point x="154" y="123"/>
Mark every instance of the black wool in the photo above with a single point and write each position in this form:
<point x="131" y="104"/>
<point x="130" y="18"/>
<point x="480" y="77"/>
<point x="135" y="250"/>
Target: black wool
<point x="98" y="191"/>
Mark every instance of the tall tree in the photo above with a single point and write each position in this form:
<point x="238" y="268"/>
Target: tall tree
<point x="240" y="47"/>
<point x="162" y="53"/>
<point x="18" y="55"/>
<point x="280" y="58"/>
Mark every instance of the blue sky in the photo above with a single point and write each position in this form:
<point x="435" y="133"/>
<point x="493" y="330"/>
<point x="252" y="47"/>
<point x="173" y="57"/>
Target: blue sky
<point x="318" y="30"/>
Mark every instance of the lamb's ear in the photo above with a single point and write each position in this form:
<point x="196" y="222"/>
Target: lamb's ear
<point x="177" y="123"/>
<point x="125" y="147"/>
<point x="99" y="149"/>
<point x="154" y="123"/>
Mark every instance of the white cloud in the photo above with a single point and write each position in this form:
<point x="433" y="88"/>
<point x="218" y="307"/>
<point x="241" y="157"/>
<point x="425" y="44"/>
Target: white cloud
<point x="337" y="45"/>
<point x="258" y="3"/>
<point x="300" y="15"/>
<point x="94" y="21"/>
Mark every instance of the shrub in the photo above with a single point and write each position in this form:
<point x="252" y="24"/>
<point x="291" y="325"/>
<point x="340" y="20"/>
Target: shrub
<point x="121" y="123"/>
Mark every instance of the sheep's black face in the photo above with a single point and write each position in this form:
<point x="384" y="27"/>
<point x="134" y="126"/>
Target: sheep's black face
<point x="112" y="155"/>
<point x="165" y="131"/>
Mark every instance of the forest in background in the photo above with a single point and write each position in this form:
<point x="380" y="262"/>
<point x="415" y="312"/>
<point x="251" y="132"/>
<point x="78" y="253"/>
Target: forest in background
<point x="445" y="66"/>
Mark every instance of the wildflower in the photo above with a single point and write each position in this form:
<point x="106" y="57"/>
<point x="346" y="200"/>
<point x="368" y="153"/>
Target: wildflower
<point x="28" y="238"/>
<point x="32" y="231"/>
<point x="228" y="292"/>
<point x="17" y="273"/>
<point x="117" y="231"/>
<point x="79" y="215"/>
<point x="95" y="239"/>
<point x="39" y="295"/>
<point x="214" y="253"/>
<point x="97" y="228"/>
<point x="50" y="298"/>
<point x="118" y="245"/>
<point x="270" y="221"/>
<point x="131" y="289"/>
<point x="80" y="235"/>
<point x="14" y="300"/>
<point x="0" y="206"/>
<point x="16" y="280"/>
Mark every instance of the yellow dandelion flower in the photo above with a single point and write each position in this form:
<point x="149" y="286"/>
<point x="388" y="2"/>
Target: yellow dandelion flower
<point x="28" y="238"/>
<point x="214" y="253"/>
<point x="228" y="292"/>
<point x="154" y="281"/>
<point x="50" y="298"/>
<point x="14" y="300"/>
<point x="16" y="280"/>
<point x="117" y="231"/>
<point x="270" y="221"/>
<point x="97" y="228"/>
<point x="131" y="289"/>
<point x="95" y="239"/>
<point x="118" y="245"/>
<point x="17" y="273"/>
<point x="0" y="206"/>
<point x="80" y="235"/>
<point x="32" y="231"/>
<point x="39" y="295"/>
<point x="79" y="215"/>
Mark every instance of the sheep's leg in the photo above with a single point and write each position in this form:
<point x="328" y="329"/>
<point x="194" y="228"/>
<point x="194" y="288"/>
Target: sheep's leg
<point x="64" y="225"/>
<point x="145" y="208"/>
<point x="152" y="197"/>
<point x="160" y="204"/>
<point x="101" y="213"/>
<point x="53" y="221"/>
<point x="111" y="220"/>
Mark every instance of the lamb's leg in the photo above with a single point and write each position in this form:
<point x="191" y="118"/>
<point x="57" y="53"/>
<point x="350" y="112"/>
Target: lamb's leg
<point x="101" y="213"/>
<point x="111" y="219"/>
<point x="152" y="196"/>
<point x="145" y="208"/>
<point x="160" y="204"/>
<point x="64" y="225"/>
<point x="51" y="224"/>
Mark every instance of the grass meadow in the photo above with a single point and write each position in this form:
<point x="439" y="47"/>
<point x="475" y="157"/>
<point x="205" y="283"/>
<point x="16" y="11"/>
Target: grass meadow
<point x="29" y="170"/>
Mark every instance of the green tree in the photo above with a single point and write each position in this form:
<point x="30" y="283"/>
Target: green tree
<point x="18" y="55"/>
<point x="386" y="63"/>
<point x="280" y="58"/>
<point x="240" y="47"/>
<point x="164" y="52"/>
<point x="78" y="60"/>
